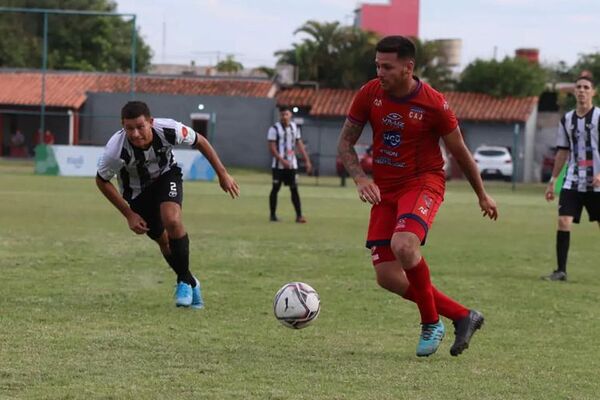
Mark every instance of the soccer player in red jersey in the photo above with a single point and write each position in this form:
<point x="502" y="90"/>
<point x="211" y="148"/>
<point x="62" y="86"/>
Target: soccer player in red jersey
<point x="408" y="118"/>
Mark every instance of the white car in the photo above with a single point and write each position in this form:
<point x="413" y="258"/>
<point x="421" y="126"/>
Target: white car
<point x="494" y="161"/>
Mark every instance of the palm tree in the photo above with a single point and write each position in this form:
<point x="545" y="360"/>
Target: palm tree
<point x="332" y="55"/>
<point x="229" y="65"/>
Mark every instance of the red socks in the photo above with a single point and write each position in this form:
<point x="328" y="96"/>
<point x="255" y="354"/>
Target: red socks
<point x="445" y="305"/>
<point x="422" y="292"/>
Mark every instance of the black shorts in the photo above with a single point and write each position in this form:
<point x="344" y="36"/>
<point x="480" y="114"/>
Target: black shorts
<point x="285" y="176"/>
<point x="168" y="187"/>
<point x="571" y="202"/>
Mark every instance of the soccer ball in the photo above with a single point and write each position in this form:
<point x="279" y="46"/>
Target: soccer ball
<point x="296" y="305"/>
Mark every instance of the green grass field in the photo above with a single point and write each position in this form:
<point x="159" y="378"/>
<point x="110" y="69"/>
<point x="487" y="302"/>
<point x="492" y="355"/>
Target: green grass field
<point x="86" y="307"/>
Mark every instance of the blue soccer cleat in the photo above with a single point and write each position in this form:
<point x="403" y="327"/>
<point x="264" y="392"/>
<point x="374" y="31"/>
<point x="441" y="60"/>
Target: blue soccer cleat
<point x="197" y="301"/>
<point x="431" y="337"/>
<point x="183" y="295"/>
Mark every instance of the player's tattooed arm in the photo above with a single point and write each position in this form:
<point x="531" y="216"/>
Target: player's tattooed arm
<point x="349" y="136"/>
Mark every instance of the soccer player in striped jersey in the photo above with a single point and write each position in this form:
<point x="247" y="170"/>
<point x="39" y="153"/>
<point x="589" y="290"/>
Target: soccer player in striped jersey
<point x="141" y="156"/>
<point x="408" y="118"/>
<point x="284" y="137"/>
<point x="578" y="141"/>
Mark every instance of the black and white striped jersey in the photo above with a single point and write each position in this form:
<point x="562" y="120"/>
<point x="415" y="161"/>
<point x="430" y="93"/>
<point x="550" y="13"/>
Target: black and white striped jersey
<point x="135" y="168"/>
<point x="285" y="138"/>
<point x="580" y="135"/>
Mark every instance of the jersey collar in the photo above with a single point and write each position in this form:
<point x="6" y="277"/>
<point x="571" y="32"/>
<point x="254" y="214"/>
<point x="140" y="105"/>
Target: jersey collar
<point x="409" y="96"/>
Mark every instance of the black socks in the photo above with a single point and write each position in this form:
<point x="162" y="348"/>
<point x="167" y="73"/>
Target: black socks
<point x="179" y="259"/>
<point x="562" y="249"/>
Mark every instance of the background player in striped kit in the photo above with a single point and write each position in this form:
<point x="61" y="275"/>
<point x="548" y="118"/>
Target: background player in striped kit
<point x="141" y="155"/>
<point x="578" y="142"/>
<point x="283" y="139"/>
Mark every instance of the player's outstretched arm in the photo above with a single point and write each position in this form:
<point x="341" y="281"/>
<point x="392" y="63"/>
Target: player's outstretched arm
<point x="368" y="191"/>
<point x="226" y="181"/>
<point x="135" y="222"/>
<point x="560" y="158"/>
<point x="456" y="146"/>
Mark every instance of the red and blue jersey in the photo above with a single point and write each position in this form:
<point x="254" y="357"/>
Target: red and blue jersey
<point x="406" y="133"/>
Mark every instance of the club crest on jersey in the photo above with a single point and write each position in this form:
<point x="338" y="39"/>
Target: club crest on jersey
<point x="184" y="131"/>
<point x="377" y="102"/>
<point x="392" y="139"/>
<point x="393" y="119"/>
<point x="416" y="113"/>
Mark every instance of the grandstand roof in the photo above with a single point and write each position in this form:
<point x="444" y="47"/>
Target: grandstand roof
<point x="467" y="106"/>
<point x="70" y="90"/>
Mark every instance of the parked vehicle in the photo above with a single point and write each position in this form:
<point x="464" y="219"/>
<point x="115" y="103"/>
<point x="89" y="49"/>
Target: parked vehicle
<point x="494" y="162"/>
<point x="365" y="157"/>
<point x="548" y="164"/>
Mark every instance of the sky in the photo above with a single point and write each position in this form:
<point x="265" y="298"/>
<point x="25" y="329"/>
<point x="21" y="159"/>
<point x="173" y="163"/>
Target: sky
<point x="204" y="31"/>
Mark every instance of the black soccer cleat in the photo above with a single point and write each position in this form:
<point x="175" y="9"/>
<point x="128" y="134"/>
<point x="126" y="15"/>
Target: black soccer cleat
<point x="556" y="276"/>
<point x="464" y="330"/>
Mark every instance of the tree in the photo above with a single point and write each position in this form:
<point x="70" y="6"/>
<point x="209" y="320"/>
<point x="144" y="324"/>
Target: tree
<point x="270" y="72"/>
<point x="509" y="77"/>
<point x="432" y="66"/>
<point x="229" y="65"/>
<point x="343" y="57"/>
<point x="75" y="42"/>
<point x="587" y="62"/>
<point x="559" y="72"/>
<point x="333" y="55"/>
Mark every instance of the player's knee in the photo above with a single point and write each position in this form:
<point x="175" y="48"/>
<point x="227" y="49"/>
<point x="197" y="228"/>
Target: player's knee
<point x="404" y="249"/>
<point x="564" y="223"/>
<point x="173" y="226"/>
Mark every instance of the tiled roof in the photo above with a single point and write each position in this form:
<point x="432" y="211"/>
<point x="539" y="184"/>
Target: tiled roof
<point x="467" y="106"/>
<point x="482" y="107"/>
<point x="69" y="89"/>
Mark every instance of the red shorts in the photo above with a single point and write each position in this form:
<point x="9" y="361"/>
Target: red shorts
<point x="407" y="210"/>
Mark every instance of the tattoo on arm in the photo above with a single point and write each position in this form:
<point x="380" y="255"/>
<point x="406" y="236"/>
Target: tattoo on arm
<point x="348" y="138"/>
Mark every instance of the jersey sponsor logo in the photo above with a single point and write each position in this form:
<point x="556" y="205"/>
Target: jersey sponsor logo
<point x="184" y="132"/>
<point x="389" y="152"/>
<point x="393" y="119"/>
<point x="388" y="161"/>
<point x="377" y="103"/>
<point x="392" y="139"/>
<point x="585" y="163"/>
<point x="416" y="113"/>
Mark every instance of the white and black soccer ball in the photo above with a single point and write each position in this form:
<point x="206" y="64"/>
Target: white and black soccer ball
<point x="296" y="305"/>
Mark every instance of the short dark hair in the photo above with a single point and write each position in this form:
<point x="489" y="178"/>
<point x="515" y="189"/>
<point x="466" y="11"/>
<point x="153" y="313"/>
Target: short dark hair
<point x="284" y="108"/>
<point x="134" y="109"/>
<point x="586" y="78"/>
<point x="401" y="45"/>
